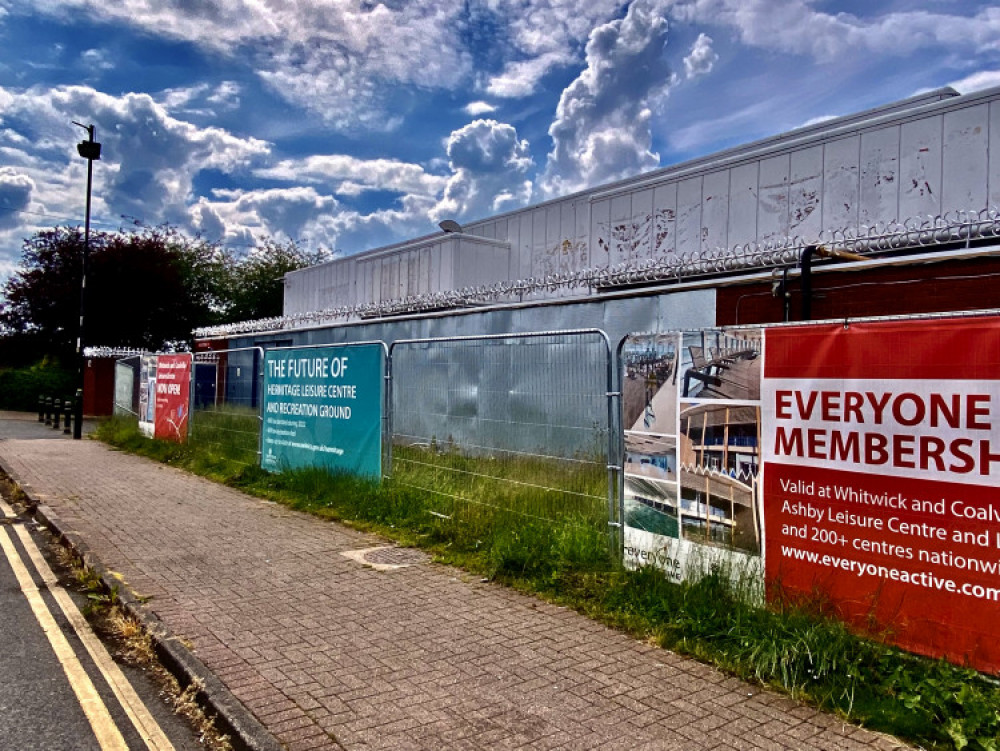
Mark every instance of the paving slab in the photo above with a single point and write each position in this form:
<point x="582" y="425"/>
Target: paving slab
<point x="328" y="653"/>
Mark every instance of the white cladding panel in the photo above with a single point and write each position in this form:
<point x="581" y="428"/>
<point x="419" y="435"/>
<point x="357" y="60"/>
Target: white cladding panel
<point x="943" y="156"/>
<point x="965" y="158"/>
<point x="920" y="167"/>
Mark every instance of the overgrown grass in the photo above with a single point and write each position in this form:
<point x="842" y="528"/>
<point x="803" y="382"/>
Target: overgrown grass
<point x="563" y="555"/>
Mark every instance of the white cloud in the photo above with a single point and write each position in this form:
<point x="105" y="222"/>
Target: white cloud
<point x="544" y="35"/>
<point x="984" y="79"/>
<point x="491" y="171"/>
<point x="796" y="27"/>
<point x="602" y="126"/>
<point x="95" y="58"/>
<point x="475" y="109"/>
<point x="338" y="59"/>
<point x="15" y="196"/>
<point x="353" y="176"/>
<point x="701" y="59"/>
<point x="522" y="77"/>
<point x="148" y="163"/>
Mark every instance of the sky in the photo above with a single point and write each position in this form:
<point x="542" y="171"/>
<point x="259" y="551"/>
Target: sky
<point x="350" y="124"/>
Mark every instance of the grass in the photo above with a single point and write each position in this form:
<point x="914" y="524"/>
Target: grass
<point x="554" y="544"/>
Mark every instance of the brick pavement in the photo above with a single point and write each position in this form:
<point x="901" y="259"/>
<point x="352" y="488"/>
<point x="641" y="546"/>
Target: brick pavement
<point x="328" y="653"/>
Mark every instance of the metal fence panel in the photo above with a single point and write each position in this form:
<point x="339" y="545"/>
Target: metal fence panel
<point x="513" y="424"/>
<point x="225" y="414"/>
<point x="127" y="387"/>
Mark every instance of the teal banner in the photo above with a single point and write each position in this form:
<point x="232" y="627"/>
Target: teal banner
<point x="323" y="408"/>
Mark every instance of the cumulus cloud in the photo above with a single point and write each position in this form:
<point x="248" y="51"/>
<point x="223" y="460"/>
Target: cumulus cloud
<point x="490" y="171"/>
<point x="149" y="159"/>
<point x="15" y="196"/>
<point x="602" y="127"/>
<point x="701" y="59"/>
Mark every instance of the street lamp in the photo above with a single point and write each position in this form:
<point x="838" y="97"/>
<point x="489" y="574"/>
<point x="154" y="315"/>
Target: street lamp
<point x="89" y="150"/>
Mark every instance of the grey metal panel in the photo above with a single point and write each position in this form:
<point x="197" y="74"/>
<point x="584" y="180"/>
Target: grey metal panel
<point x="920" y="167"/>
<point x="805" y="193"/>
<point x="538" y="220"/>
<point x="424" y="272"/>
<point x="664" y="219"/>
<point x="966" y="161"/>
<point x="642" y="223"/>
<point x="842" y="183"/>
<point x="552" y="260"/>
<point x="994" y="176"/>
<point x="689" y="215"/>
<point x="600" y="238"/>
<point x="743" y="203"/>
<point x="621" y="221"/>
<point x="772" y="208"/>
<point x="715" y="211"/>
<point x="879" y="176"/>
<point x="581" y="231"/>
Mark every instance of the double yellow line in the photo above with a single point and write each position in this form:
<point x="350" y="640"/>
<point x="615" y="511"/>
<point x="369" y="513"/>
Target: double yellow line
<point x="108" y="735"/>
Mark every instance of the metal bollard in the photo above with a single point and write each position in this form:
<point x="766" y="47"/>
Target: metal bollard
<point x="41" y="408"/>
<point x="48" y="410"/>
<point x="68" y="416"/>
<point x="56" y="413"/>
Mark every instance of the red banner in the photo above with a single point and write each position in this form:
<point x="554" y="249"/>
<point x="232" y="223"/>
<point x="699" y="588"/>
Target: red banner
<point x="881" y="477"/>
<point x="173" y="386"/>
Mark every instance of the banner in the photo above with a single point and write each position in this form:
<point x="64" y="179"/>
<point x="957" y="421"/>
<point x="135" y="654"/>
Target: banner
<point x="172" y="397"/>
<point x="323" y="407"/>
<point x="691" y="410"/>
<point x="881" y="478"/>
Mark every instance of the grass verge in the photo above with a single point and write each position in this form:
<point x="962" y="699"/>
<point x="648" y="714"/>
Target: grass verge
<point x="566" y="559"/>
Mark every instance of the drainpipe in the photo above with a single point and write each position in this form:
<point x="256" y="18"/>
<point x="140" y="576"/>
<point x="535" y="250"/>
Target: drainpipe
<point x="805" y="262"/>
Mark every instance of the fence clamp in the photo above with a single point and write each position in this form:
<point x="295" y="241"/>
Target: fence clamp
<point x="616" y="525"/>
<point x="613" y="393"/>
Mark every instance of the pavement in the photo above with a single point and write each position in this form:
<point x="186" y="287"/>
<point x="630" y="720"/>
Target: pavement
<point x="303" y="647"/>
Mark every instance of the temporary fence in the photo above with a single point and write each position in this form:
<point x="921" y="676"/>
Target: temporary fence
<point x="226" y="402"/>
<point x="521" y="425"/>
<point x="127" y="387"/>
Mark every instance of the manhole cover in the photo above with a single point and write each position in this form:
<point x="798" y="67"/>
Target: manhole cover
<point x="388" y="558"/>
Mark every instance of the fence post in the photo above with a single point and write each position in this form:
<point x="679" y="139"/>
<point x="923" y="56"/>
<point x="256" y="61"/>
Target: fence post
<point x="387" y="470"/>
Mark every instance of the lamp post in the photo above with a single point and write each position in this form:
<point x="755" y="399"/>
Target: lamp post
<point x="89" y="150"/>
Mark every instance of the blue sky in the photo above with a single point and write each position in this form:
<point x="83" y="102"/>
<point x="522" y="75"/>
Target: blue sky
<point x="348" y="124"/>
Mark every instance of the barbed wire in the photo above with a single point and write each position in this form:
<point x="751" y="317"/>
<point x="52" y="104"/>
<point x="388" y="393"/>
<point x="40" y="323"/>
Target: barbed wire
<point x="916" y="232"/>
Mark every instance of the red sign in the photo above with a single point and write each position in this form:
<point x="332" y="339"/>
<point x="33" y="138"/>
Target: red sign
<point x="173" y="387"/>
<point x="882" y="478"/>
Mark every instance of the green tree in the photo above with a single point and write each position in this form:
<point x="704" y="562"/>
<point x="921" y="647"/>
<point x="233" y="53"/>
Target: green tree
<point x="256" y="287"/>
<point x="145" y="288"/>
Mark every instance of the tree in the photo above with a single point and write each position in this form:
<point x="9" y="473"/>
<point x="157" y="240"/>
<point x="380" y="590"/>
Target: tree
<point x="256" y="281"/>
<point x="145" y="288"/>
